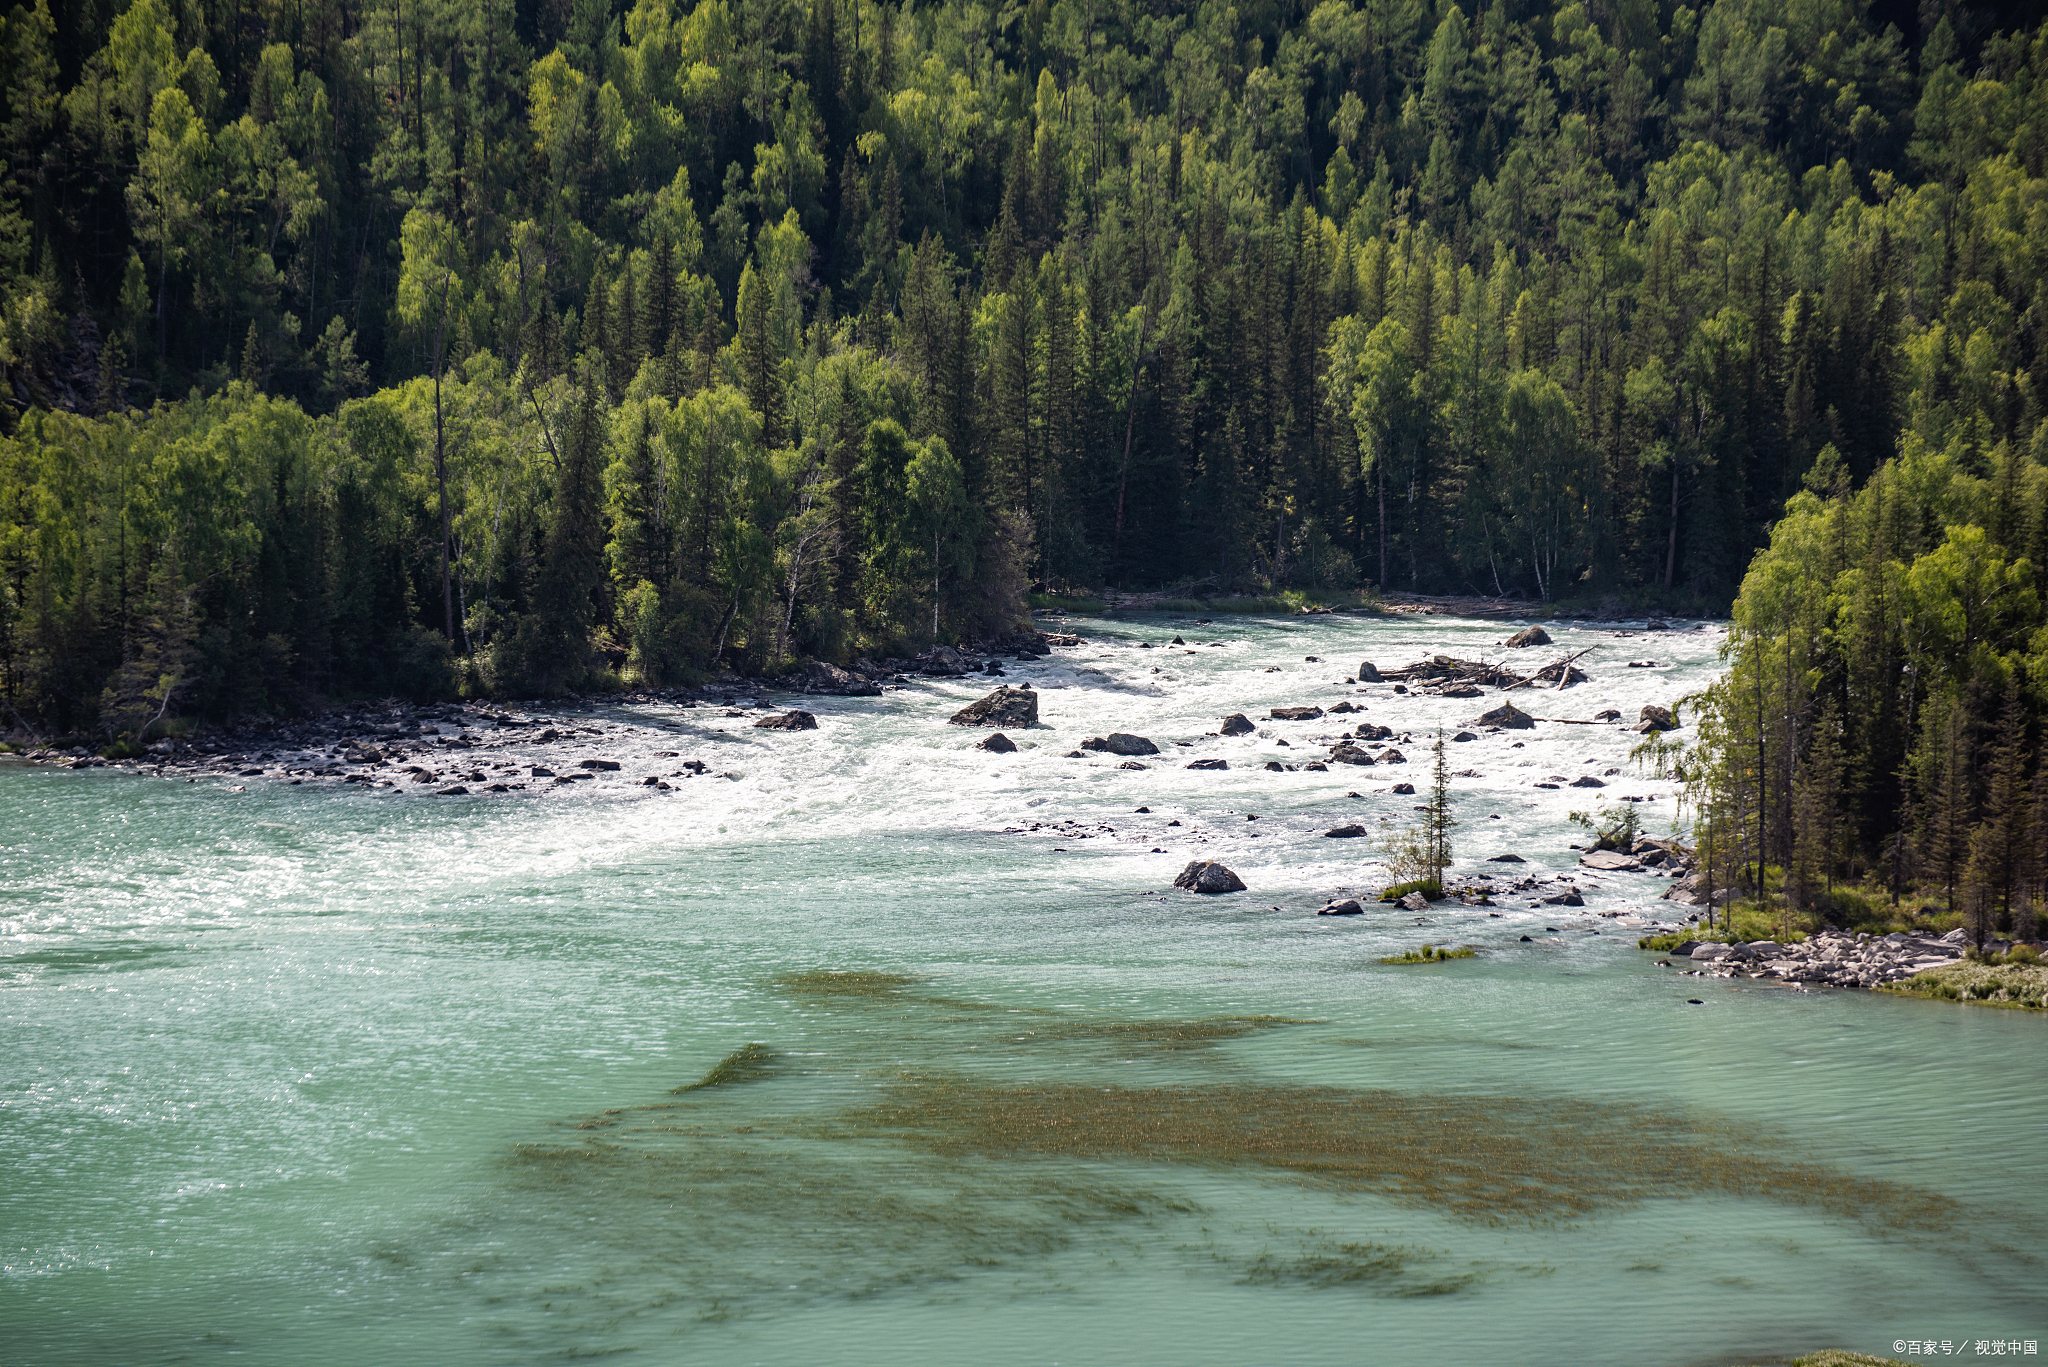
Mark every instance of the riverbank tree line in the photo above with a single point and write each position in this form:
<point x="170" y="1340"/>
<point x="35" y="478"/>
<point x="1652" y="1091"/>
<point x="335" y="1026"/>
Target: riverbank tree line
<point x="389" y="347"/>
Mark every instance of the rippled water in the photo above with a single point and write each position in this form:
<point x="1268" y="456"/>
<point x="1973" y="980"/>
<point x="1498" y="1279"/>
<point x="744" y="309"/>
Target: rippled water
<point x="297" y="1075"/>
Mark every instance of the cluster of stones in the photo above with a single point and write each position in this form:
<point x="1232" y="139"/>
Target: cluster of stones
<point x="1836" y="958"/>
<point x="864" y="678"/>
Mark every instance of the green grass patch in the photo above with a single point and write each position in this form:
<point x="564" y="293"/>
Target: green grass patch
<point x="1428" y="887"/>
<point x="1430" y="954"/>
<point x="2011" y="983"/>
<point x="1839" y="1357"/>
<point x="1060" y="602"/>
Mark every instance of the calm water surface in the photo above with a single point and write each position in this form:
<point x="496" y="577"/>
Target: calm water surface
<point x="313" y="1076"/>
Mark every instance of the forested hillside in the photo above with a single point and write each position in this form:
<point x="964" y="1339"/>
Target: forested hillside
<point x="405" y="346"/>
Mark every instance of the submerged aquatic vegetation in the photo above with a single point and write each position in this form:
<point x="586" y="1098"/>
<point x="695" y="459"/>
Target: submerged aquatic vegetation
<point x="1485" y="1158"/>
<point x="748" y="1063"/>
<point x="1402" y="1271"/>
<point x="858" y="982"/>
<point x="1165" y="1035"/>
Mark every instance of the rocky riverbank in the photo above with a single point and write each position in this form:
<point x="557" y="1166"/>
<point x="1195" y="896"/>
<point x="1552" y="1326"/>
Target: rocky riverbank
<point x="1840" y="958"/>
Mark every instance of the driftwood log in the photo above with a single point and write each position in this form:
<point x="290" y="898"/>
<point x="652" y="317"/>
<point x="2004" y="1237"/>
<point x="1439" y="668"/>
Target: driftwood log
<point x="1442" y="671"/>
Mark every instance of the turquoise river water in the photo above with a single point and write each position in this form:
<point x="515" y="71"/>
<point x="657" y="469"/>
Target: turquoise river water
<point x="303" y="1075"/>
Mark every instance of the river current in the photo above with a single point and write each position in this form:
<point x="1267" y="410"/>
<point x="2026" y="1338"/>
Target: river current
<point x="309" y="1075"/>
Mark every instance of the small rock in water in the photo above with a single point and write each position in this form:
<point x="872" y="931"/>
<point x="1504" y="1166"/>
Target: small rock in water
<point x="1415" y="901"/>
<point x="793" y="720"/>
<point x="1509" y="716"/>
<point x="1369" y="673"/>
<point x="1296" y="713"/>
<point x="1209" y="764"/>
<point x="1464" y="735"/>
<point x="1528" y="636"/>
<point x="1344" y="832"/>
<point x="1130" y="764"/>
<point x="1237" y="724"/>
<point x="1206" y="875"/>
<point x="607" y="765"/>
<point x="1405" y="789"/>
<point x="1348" y="907"/>
<point x="1609" y="715"/>
<point x="998" y="743"/>
<point x="1507" y="859"/>
<point x="1655" y="718"/>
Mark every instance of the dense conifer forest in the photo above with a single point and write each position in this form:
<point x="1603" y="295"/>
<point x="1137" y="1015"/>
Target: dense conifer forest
<point x="518" y="346"/>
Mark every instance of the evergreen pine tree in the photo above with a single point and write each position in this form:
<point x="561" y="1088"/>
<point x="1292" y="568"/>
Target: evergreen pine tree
<point x="1437" y="820"/>
<point x="554" y="642"/>
<point x="760" y="370"/>
<point x="1997" y="858"/>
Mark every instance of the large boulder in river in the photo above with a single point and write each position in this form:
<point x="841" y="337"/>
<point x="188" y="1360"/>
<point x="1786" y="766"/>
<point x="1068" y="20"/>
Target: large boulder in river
<point x="1006" y="706"/>
<point x="1237" y="724"/>
<point x="1296" y="713"/>
<point x="1528" y="636"/>
<point x="1509" y="716"/>
<point x="1369" y="673"/>
<point x="1655" y="718"/>
<point x="1206" y="875"/>
<point x="1120" y="743"/>
<point x="945" y="660"/>
<point x="820" y="677"/>
<point x="793" y="720"/>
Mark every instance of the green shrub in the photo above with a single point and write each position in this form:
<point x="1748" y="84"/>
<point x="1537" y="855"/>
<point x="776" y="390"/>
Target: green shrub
<point x="1428" y="887"/>
<point x="1430" y="954"/>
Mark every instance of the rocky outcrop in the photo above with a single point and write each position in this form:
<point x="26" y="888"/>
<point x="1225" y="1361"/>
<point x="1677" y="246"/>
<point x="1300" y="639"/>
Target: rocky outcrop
<point x="1208" y="876"/>
<point x="1655" y="718"/>
<point x="1005" y="707"/>
<point x="795" y="719"/>
<point x="1237" y="724"/>
<point x="1296" y="713"/>
<point x="1509" y="716"/>
<point x="1120" y="743"/>
<point x="947" y="662"/>
<point x="1836" y="958"/>
<point x="1610" y="861"/>
<point x="1528" y="636"/>
<point x="998" y="744"/>
<point x="820" y="677"/>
